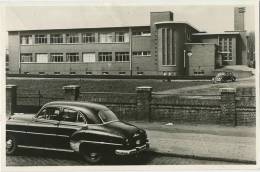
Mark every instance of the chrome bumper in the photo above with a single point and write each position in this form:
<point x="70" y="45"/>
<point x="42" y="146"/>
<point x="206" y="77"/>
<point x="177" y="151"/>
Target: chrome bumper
<point x="132" y="151"/>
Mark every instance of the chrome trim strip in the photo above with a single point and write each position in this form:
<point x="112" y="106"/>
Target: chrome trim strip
<point x="132" y="151"/>
<point x="16" y="131"/>
<point x="44" y="148"/>
<point x="38" y="133"/>
<point x="107" y="143"/>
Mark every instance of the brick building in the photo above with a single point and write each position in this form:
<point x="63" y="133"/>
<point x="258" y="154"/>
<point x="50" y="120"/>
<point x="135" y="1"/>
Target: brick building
<point x="166" y="47"/>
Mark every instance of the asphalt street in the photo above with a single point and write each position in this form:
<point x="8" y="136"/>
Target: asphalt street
<point x="31" y="157"/>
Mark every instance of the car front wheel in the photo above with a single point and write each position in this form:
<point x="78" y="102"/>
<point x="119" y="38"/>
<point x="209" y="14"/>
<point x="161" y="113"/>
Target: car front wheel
<point x="92" y="157"/>
<point x="11" y="145"/>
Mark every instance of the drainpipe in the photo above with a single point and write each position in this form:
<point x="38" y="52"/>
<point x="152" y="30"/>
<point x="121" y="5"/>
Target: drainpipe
<point x="130" y="51"/>
<point x="19" y="51"/>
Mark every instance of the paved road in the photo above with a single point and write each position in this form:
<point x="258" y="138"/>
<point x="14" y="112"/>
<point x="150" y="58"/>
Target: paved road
<point x="30" y="157"/>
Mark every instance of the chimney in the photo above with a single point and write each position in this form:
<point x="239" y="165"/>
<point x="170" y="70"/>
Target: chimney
<point x="239" y="18"/>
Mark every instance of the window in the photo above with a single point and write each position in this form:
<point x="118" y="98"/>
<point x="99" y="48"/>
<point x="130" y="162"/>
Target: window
<point x="41" y="73"/>
<point x="26" y="39"/>
<point x="140" y="73"/>
<point x="72" y="57"/>
<point x="104" y="56"/>
<point x="141" y="53"/>
<point x="225" y="48"/>
<point x="72" y="38"/>
<point x="56" y="38"/>
<point x="88" y="73"/>
<point x="121" y="73"/>
<point x="56" y="57"/>
<point x="26" y="57"/>
<point x="89" y="57"/>
<point x="122" y="37"/>
<point x="40" y="39"/>
<point x="56" y="73"/>
<point x="70" y="115"/>
<point x="42" y="58"/>
<point x="142" y="33"/>
<point x="106" y="37"/>
<point x="72" y="73"/>
<point x="88" y="37"/>
<point x="105" y="73"/>
<point x="122" y="56"/>
<point x="50" y="113"/>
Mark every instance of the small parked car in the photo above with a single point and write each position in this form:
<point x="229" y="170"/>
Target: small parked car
<point x="90" y="129"/>
<point x="224" y="77"/>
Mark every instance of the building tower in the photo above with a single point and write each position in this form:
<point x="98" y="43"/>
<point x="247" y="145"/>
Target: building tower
<point x="239" y="19"/>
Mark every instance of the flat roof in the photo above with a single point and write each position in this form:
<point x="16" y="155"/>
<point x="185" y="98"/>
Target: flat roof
<point x="49" y="29"/>
<point x="220" y="33"/>
<point x="176" y="22"/>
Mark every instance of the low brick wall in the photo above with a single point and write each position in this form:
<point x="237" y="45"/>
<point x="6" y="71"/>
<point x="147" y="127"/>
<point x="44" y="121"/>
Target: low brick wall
<point x="185" y="110"/>
<point x="230" y="107"/>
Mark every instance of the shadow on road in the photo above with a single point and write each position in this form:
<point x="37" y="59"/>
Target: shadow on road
<point x="54" y="158"/>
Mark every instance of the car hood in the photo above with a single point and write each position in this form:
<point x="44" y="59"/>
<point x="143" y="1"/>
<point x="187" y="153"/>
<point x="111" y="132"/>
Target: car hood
<point x="119" y="128"/>
<point x="22" y="117"/>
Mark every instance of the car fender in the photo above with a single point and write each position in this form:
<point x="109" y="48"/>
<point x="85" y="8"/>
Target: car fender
<point x="92" y="138"/>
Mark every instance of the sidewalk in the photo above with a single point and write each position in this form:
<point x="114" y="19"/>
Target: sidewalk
<point x="214" y="142"/>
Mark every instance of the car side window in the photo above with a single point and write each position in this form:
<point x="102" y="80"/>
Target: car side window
<point x="49" y="113"/>
<point x="70" y="115"/>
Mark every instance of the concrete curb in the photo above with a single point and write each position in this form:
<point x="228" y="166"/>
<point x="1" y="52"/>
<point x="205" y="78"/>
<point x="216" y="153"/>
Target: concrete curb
<point x="204" y="157"/>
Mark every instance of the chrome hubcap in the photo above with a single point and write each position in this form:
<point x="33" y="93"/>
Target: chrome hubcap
<point x="9" y="144"/>
<point x="93" y="156"/>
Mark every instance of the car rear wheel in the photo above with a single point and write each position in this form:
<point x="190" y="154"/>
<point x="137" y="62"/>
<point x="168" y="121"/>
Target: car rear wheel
<point x="11" y="145"/>
<point x="92" y="157"/>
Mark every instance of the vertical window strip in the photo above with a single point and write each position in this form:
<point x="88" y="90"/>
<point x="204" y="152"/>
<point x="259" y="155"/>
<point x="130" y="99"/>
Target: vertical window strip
<point x="163" y="46"/>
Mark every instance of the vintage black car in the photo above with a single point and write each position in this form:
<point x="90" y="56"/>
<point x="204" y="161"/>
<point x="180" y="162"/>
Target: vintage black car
<point x="224" y="77"/>
<point x="90" y="129"/>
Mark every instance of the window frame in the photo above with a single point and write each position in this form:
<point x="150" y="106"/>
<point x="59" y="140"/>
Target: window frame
<point x="29" y="39"/>
<point x="58" y="39"/>
<point x="122" y="56"/>
<point x="86" y="39"/>
<point x="68" y="56"/>
<point x="79" y="113"/>
<point x="107" y="37"/>
<point x="31" y="57"/>
<point x="72" y="38"/>
<point x="55" y="55"/>
<point x="40" y="39"/>
<point x="102" y="56"/>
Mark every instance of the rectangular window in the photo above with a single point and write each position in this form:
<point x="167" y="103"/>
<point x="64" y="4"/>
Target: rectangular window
<point x="142" y="33"/>
<point x="41" y="39"/>
<point x="57" y="73"/>
<point x="122" y="37"/>
<point x="104" y="56"/>
<point x="26" y="40"/>
<point x="106" y="37"/>
<point x="89" y="57"/>
<point x="41" y="73"/>
<point x="26" y="57"/>
<point x="121" y="73"/>
<point x="56" y="38"/>
<point x="72" y="73"/>
<point x="88" y="37"/>
<point x="122" y="56"/>
<point x="72" y="57"/>
<point x="140" y="73"/>
<point x="72" y="38"/>
<point x="56" y="57"/>
<point x="88" y="73"/>
<point x="141" y="53"/>
<point x="42" y="58"/>
<point x="105" y="73"/>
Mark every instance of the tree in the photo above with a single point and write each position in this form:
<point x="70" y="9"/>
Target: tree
<point x="251" y="49"/>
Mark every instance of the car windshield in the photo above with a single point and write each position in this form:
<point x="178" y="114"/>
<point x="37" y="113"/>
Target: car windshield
<point x="107" y="116"/>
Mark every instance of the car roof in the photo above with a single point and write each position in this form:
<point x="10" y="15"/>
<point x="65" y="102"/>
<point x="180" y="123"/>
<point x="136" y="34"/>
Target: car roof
<point x="78" y="105"/>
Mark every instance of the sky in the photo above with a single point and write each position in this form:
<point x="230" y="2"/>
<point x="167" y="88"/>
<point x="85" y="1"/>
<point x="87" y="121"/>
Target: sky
<point x="205" y="18"/>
